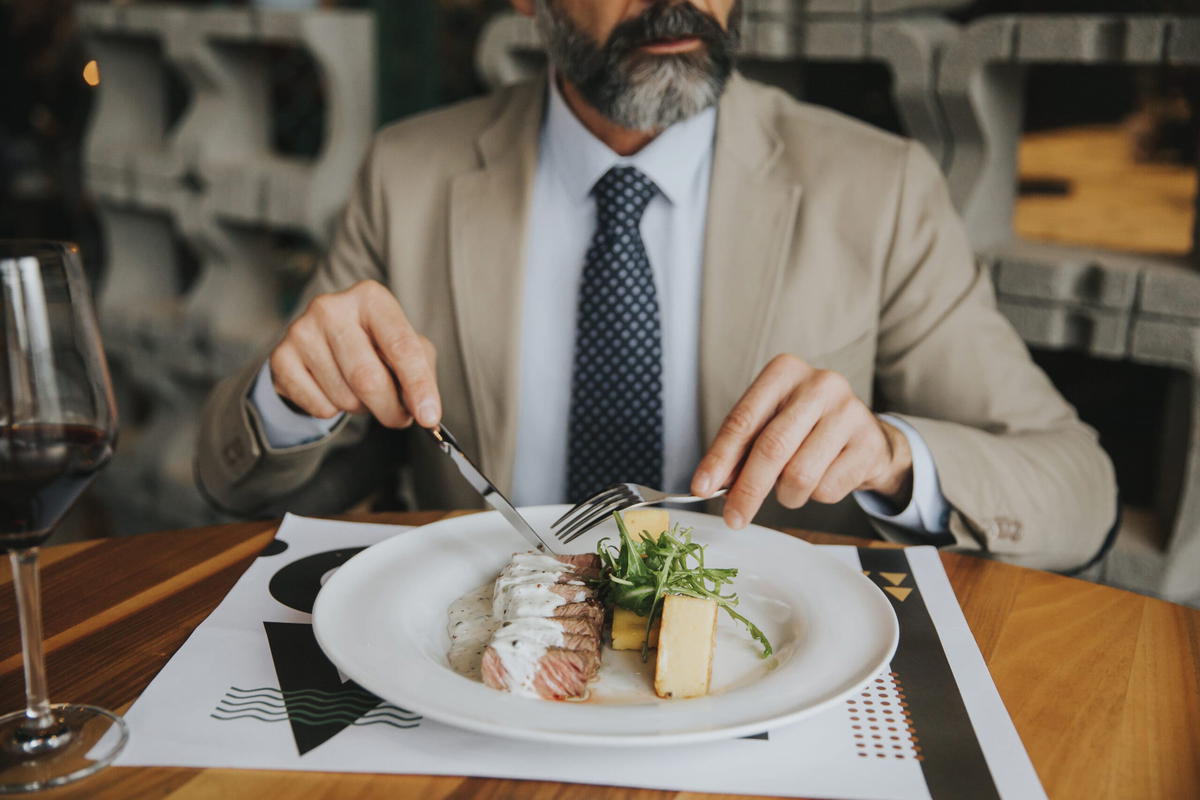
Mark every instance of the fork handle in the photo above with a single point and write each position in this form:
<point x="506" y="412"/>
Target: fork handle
<point x="691" y="498"/>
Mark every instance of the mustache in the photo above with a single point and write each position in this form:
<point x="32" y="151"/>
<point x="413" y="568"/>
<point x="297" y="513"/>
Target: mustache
<point x="669" y="20"/>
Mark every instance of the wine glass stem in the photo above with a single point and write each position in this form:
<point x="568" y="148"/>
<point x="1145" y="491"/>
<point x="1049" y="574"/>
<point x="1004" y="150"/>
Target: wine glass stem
<point x="38" y="715"/>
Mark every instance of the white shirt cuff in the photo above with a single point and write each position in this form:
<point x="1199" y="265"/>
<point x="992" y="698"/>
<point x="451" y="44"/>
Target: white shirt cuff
<point x="927" y="511"/>
<point x="282" y="426"/>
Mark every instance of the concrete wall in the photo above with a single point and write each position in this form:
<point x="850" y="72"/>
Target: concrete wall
<point x="194" y="206"/>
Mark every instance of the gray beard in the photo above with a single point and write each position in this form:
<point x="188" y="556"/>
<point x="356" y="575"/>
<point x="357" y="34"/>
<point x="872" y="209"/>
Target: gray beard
<point x="664" y="91"/>
<point x="644" y="93"/>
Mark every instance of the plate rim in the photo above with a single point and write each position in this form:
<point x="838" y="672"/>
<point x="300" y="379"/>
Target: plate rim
<point x="602" y="739"/>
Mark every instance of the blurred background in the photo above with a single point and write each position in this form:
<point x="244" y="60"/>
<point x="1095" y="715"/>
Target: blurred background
<point x="199" y="152"/>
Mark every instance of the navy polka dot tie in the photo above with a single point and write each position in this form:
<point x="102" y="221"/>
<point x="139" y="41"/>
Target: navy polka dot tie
<point x="616" y="431"/>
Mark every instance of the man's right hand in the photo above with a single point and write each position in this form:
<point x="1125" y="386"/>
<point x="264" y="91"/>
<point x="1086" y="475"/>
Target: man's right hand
<point x="356" y="351"/>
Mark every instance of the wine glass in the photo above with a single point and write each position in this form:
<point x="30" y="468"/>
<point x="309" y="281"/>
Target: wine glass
<point x="58" y="425"/>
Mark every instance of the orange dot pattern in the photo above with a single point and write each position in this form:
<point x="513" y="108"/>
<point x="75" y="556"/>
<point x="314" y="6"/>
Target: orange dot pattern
<point x="880" y="725"/>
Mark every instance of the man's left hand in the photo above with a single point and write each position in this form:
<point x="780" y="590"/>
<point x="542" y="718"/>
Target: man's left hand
<point x="803" y="432"/>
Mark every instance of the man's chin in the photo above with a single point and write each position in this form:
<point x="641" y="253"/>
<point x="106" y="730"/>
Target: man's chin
<point x="657" y="104"/>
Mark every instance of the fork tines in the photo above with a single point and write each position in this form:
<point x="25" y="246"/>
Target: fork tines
<point x="592" y="511"/>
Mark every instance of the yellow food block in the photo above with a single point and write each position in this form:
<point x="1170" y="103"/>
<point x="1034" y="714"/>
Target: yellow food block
<point x="685" y="647"/>
<point x="641" y="521"/>
<point x="629" y="630"/>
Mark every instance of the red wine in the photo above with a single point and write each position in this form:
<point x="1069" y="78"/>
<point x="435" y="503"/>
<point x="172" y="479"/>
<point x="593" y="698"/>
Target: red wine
<point x="43" y="469"/>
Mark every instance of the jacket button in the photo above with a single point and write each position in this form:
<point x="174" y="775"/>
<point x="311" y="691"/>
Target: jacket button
<point x="1009" y="529"/>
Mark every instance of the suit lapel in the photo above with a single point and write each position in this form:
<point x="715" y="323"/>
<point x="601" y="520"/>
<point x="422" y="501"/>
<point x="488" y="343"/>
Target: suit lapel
<point x="751" y="215"/>
<point x="489" y="211"/>
<point x="744" y="260"/>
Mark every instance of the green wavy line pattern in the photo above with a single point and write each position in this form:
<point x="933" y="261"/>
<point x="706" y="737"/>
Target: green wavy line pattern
<point x="306" y="698"/>
<point x="361" y="722"/>
<point x="349" y="706"/>
<point x="336" y="712"/>
<point x="310" y="705"/>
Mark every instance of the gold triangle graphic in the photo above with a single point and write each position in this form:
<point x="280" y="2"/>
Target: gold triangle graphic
<point x="897" y="592"/>
<point x="894" y="578"/>
<point x="866" y="572"/>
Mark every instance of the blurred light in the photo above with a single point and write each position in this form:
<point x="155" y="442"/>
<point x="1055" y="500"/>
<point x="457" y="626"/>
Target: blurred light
<point x="91" y="73"/>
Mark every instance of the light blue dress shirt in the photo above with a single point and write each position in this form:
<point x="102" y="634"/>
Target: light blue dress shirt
<point x="570" y="161"/>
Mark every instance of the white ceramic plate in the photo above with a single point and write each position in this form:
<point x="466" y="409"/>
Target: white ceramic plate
<point x="381" y="619"/>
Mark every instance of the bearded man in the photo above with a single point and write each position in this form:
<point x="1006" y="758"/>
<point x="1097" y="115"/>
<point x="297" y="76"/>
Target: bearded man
<point x="644" y="267"/>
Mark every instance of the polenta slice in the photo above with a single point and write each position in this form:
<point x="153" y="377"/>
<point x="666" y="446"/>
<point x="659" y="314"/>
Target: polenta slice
<point x="664" y="576"/>
<point x="628" y="627"/>
<point x="647" y="523"/>
<point x="686" y="643"/>
<point x="629" y="630"/>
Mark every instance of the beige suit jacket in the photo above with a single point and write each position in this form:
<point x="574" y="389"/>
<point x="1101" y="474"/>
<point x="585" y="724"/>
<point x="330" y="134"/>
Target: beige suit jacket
<point x="826" y="239"/>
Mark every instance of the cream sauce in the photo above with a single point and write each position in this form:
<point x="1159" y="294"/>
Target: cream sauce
<point x="520" y="644"/>
<point x="511" y="615"/>
<point x="523" y="587"/>
<point x="471" y="627"/>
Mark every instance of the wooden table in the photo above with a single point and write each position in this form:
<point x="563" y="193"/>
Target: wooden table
<point x="1103" y="685"/>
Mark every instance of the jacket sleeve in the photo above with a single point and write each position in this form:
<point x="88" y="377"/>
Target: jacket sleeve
<point x="235" y="466"/>
<point x="1026" y="479"/>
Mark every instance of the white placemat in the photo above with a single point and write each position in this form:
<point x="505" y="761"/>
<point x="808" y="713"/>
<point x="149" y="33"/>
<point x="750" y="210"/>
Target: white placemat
<point x="251" y="689"/>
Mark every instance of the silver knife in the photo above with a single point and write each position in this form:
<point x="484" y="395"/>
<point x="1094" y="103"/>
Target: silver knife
<point x="494" y="497"/>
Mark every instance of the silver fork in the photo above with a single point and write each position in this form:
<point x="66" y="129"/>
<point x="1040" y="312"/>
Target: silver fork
<point x="619" y="497"/>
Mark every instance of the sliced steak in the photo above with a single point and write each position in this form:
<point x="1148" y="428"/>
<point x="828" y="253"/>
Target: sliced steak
<point x="590" y="610"/>
<point x="578" y="634"/>
<point x="587" y="565"/>
<point x="560" y="665"/>
<point x="579" y="626"/>
<point x="561" y="674"/>
<point x="573" y="592"/>
<point x="586" y="644"/>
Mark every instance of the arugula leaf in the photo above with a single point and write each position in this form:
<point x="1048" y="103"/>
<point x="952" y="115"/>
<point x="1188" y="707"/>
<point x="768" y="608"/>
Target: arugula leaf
<point x="637" y="575"/>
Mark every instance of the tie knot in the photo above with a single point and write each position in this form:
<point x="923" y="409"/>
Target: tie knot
<point x="622" y="194"/>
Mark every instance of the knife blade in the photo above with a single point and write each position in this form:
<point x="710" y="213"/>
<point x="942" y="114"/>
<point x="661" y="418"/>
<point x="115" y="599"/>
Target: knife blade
<point x="479" y="482"/>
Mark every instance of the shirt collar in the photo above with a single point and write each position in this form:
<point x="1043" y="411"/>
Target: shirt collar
<point x="579" y="159"/>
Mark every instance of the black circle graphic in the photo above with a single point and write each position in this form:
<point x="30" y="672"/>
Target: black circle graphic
<point x="273" y="548"/>
<point x="296" y="585"/>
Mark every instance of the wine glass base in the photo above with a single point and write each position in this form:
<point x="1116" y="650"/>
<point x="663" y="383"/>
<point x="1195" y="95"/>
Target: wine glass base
<point x="86" y="740"/>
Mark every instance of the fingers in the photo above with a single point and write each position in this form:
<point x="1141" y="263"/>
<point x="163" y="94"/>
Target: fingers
<point x="406" y="353"/>
<point x="809" y="468"/>
<point x="293" y="381"/>
<point x="845" y="474"/>
<point x="349" y="350"/>
<point x="799" y="431"/>
<point x="748" y="417"/>
<point x="430" y="353"/>
<point x="367" y="376"/>
<point x="308" y="339"/>
<point x="771" y="452"/>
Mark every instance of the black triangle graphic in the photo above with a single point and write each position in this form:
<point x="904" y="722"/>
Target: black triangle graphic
<point x="302" y="666"/>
